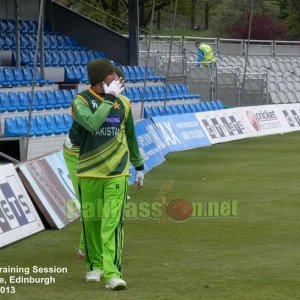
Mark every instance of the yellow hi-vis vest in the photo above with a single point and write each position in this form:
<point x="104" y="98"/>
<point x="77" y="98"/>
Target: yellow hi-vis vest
<point x="208" y="53"/>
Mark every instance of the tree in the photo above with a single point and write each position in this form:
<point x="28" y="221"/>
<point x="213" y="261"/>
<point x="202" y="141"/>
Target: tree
<point x="234" y="23"/>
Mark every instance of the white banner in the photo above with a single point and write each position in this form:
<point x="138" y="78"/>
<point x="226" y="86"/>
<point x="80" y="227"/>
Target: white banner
<point x="48" y="182"/>
<point x="18" y="217"/>
<point x="223" y="125"/>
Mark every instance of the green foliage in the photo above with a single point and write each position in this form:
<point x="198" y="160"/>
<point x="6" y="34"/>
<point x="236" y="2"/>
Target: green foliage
<point x="225" y="17"/>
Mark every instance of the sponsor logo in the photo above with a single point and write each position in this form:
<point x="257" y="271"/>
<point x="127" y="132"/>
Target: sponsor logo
<point x="263" y="120"/>
<point x="221" y="127"/>
<point x="253" y="120"/>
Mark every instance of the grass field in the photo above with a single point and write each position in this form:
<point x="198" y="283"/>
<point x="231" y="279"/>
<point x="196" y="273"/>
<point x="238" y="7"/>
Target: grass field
<point x="254" y="255"/>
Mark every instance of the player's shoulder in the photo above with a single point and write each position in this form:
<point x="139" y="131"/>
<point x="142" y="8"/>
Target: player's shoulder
<point x="125" y="100"/>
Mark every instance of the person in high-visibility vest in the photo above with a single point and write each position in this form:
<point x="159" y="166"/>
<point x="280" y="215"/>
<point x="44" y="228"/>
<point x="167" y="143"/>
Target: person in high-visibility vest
<point x="205" y="54"/>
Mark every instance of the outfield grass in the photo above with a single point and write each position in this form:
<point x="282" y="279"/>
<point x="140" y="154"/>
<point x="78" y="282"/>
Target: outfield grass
<point x="252" y="256"/>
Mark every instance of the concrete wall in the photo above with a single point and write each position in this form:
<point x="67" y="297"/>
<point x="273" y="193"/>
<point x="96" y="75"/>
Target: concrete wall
<point x="29" y="9"/>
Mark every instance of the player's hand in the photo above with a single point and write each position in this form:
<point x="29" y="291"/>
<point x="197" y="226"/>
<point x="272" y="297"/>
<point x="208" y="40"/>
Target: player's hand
<point x="115" y="88"/>
<point x="139" y="179"/>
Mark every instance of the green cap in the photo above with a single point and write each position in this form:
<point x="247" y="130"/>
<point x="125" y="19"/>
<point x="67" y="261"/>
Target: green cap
<point x="98" y="69"/>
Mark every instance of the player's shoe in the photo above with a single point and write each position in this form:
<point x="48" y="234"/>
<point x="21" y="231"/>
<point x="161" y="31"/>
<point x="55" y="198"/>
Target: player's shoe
<point x="93" y="275"/>
<point x="116" y="284"/>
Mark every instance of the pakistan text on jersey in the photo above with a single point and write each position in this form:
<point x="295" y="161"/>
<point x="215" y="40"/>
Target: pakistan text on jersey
<point x="107" y="131"/>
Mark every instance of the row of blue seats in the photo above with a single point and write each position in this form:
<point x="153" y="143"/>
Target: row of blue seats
<point x="14" y="76"/>
<point x="60" y="57"/>
<point x="79" y="74"/>
<point x="139" y="73"/>
<point x="159" y="93"/>
<point x="42" y="100"/>
<point x="39" y="125"/>
<point x="30" y="26"/>
<point x="155" y="111"/>
<point x="28" y="41"/>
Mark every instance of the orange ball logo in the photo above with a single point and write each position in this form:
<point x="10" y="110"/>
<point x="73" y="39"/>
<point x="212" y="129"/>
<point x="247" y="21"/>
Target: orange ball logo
<point x="179" y="209"/>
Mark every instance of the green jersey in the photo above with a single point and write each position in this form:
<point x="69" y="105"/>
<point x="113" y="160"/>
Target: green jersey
<point x="106" y="136"/>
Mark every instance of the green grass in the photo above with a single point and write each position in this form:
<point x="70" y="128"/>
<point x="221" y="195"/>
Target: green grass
<point x="253" y="256"/>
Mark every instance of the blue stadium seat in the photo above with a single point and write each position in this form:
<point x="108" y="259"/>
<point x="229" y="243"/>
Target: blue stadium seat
<point x="3" y="81"/>
<point x="15" y="101"/>
<point x="25" y="58"/>
<point x="180" y="93"/>
<point x="33" y="26"/>
<point x="10" y="127"/>
<point x="137" y="97"/>
<point x="48" y="58"/>
<point x="90" y="55"/>
<point x="209" y="105"/>
<point x="64" y="61"/>
<point x="155" y="111"/>
<point x="199" y="107"/>
<point x="181" y="109"/>
<point x="155" y="93"/>
<point x="150" y="74"/>
<point x="5" y="104"/>
<point x="22" y="126"/>
<point x="42" y="125"/>
<point x="35" y="101"/>
<point x="61" y="124"/>
<point x="47" y="41"/>
<point x="42" y="100"/>
<point x="77" y="73"/>
<point x="162" y="110"/>
<point x="138" y="73"/>
<point x="34" y="129"/>
<point x="10" y="43"/>
<point x="129" y="93"/>
<point x="187" y="108"/>
<point x="193" y="107"/>
<point x="70" y="57"/>
<point x="220" y="104"/>
<point x="175" y="109"/>
<point x="68" y="96"/>
<point x="68" y="120"/>
<point x="149" y="77"/>
<point x="23" y="26"/>
<point x="10" y="77"/>
<point x="169" y="110"/>
<point x="214" y="105"/>
<point x="24" y="99"/>
<point x="51" y="123"/>
<point x="69" y="74"/>
<point x="24" y="41"/>
<point x="51" y="100"/>
<point x="77" y="58"/>
<point x="147" y="112"/>
<point x="162" y="93"/>
<point x="19" y="76"/>
<point x="56" y="61"/>
<point x="60" y="99"/>
<point x="131" y="73"/>
<point x="204" y="106"/>
<point x="84" y="57"/>
<point x="61" y="45"/>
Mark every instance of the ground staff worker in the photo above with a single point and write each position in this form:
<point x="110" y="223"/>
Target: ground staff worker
<point x="107" y="144"/>
<point x="205" y="54"/>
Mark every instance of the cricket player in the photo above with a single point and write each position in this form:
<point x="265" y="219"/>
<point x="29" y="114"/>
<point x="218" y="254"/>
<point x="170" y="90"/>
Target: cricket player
<point x="107" y="143"/>
<point x="71" y="157"/>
